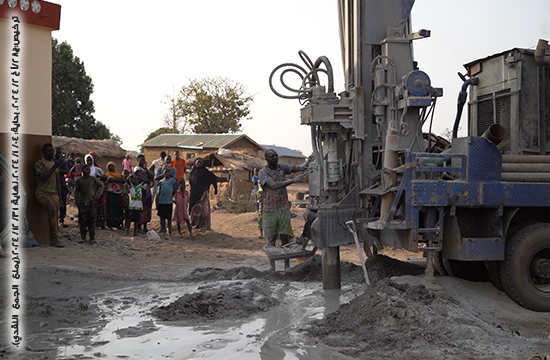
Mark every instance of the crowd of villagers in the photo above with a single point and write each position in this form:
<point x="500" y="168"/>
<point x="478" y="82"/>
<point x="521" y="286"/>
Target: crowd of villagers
<point x="108" y="198"/>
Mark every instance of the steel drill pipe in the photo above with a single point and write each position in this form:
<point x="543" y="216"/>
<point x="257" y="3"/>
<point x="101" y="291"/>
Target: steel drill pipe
<point x="525" y="177"/>
<point x="532" y="159"/>
<point x="528" y="167"/>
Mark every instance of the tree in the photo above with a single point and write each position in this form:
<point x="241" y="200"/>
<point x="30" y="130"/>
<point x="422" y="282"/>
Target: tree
<point x="447" y="134"/>
<point x="117" y="139"/>
<point x="214" y="105"/>
<point x="72" y="108"/>
<point x="173" y="119"/>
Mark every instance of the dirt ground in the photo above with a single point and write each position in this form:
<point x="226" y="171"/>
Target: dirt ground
<point x="398" y="316"/>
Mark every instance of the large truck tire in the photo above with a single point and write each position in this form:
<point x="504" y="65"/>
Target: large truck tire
<point x="525" y="271"/>
<point x="493" y="269"/>
<point x="439" y="265"/>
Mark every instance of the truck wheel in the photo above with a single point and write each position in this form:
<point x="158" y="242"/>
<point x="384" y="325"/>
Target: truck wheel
<point x="439" y="265"/>
<point x="493" y="268"/>
<point x="525" y="271"/>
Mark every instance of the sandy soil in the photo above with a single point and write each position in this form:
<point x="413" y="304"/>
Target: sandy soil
<point x="399" y="316"/>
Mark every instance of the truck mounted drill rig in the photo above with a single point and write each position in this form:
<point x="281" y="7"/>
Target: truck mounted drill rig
<point x="480" y="209"/>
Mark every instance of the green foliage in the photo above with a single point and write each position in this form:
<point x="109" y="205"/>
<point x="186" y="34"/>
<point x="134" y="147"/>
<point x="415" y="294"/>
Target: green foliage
<point x="214" y="105"/>
<point x="157" y="132"/>
<point x="72" y="108"/>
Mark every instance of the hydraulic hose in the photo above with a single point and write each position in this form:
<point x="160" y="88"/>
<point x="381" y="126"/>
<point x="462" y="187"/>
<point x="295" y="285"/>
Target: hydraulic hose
<point x="324" y="60"/>
<point x="462" y="98"/>
<point x="309" y="77"/>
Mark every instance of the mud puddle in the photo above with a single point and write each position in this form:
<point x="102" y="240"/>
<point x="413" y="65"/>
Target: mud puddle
<point x="243" y="313"/>
<point x="131" y="331"/>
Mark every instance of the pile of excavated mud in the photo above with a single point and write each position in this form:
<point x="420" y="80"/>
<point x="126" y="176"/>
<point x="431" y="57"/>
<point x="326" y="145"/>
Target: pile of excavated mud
<point x="220" y="301"/>
<point x="378" y="267"/>
<point x="410" y="322"/>
<point x="242" y="299"/>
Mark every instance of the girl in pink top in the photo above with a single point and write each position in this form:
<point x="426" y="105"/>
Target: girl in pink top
<point x="181" y="199"/>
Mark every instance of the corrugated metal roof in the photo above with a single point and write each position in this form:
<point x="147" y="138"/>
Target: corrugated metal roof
<point x="200" y="141"/>
<point x="527" y="51"/>
<point x="283" y="151"/>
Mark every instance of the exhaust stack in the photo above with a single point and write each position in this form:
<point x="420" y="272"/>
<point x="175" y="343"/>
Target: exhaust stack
<point x="542" y="56"/>
<point x="495" y="133"/>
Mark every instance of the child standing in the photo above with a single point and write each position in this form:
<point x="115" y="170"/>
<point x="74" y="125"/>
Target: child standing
<point x="166" y="190"/>
<point x="86" y="192"/>
<point x="181" y="199"/>
<point x="136" y="204"/>
<point x="76" y="170"/>
<point x="125" y="191"/>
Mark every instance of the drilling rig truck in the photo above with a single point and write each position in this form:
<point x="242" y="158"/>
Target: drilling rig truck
<point x="480" y="209"/>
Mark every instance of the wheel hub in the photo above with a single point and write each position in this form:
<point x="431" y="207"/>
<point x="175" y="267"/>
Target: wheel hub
<point x="541" y="267"/>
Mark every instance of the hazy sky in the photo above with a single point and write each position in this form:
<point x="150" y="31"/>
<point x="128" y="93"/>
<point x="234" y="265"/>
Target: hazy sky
<point x="136" y="52"/>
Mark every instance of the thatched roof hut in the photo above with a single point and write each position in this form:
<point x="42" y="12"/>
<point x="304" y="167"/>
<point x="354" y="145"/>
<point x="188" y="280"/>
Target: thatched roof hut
<point x="234" y="171"/>
<point x="107" y="150"/>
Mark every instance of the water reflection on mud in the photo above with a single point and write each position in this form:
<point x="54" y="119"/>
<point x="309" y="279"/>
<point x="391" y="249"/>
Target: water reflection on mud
<point x="132" y="332"/>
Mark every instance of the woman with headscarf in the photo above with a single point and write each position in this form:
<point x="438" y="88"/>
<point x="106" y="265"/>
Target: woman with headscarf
<point x="199" y="203"/>
<point x="95" y="156"/>
<point x="94" y="169"/>
<point x="115" y="206"/>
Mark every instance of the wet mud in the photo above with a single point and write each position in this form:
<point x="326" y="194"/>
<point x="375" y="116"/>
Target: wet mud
<point x="242" y="299"/>
<point x="410" y="322"/>
<point x="378" y="267"/>
<point x="235" y="300"/>
<point x="245" y="313"/>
